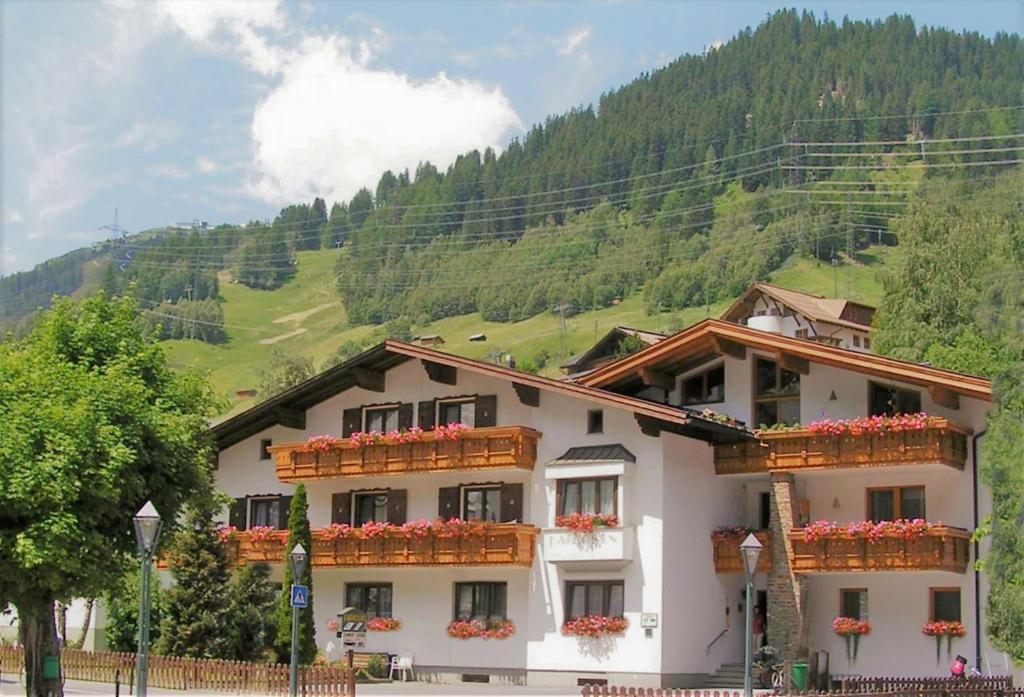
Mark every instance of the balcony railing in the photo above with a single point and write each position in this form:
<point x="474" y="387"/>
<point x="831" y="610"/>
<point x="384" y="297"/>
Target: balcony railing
<point x="940" y="549"/>
<point x="499" y="545"/>
<point x="499" y="447"/>
<point x="941" y="442"/>
<point x="727" y="552"/>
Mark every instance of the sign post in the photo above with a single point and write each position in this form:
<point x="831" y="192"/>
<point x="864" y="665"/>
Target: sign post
<point x="299" y="599"/>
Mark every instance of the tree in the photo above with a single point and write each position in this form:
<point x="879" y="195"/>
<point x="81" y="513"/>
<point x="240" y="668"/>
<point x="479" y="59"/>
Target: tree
<point x="298" y="533"/>
<point x="253" y="598"/>
<point x="93" y="422"/>
<point x="122" y="606"/>
<point x="283" y="371"/>
<point x="196" y="605"/>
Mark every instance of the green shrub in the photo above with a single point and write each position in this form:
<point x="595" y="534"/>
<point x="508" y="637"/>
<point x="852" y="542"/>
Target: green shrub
<point x="377" y="666"/>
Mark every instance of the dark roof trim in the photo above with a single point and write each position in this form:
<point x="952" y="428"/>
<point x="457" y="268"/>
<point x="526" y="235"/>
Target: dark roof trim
<point x="616" y="452"/>
<point x="391" y="353"/>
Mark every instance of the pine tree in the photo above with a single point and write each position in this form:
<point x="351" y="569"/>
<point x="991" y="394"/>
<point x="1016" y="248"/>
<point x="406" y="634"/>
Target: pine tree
<point x="198" y="602"/>
<point x="252" y="613"/>
<point x="298" y="533"/>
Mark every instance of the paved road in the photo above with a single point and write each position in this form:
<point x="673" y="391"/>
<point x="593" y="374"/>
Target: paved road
<point x="75" y="688"/>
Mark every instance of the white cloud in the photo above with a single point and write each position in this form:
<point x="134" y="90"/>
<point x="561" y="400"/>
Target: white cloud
<point x="14" y="217"/>
<point x="148" y="135"/>
<point x="168" y="171"/>
<point x="206" y="165"/>
<point x="334" y="123"/>
<point x="575" y="39"/>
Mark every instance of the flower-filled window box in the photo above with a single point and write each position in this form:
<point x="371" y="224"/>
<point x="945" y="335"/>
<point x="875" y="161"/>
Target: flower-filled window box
<point x="943" y="629"/>
<point x="851" y="629"/>
<point x="594" y="626"/>
<point x="383" y="624"/>
<point x="870" y="530"/>
<point x="263" y="533"/>
<point x="586" y="522"/>
<point x="478" y="629"/>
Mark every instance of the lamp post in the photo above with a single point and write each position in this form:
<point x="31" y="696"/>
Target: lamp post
<point x="297" y="557"/>
<point x="147" y="525"/>
<point x="750" y="550"/>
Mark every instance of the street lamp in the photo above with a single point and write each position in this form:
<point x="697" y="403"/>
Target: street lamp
<point x="750" y="550"/>
<point x="147" y="525"/>
<point x="297" y="557"/>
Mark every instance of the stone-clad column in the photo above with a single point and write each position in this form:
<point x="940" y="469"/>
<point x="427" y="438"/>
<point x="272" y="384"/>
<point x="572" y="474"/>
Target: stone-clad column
<point x="786" y="591"/>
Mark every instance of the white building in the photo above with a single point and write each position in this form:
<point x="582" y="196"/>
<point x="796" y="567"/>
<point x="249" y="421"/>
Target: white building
<point x="626" y="439"/>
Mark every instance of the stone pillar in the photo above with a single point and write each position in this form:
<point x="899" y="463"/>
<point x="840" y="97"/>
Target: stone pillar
<point x="786" y="591"/>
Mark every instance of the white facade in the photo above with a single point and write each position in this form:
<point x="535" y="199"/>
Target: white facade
<point x="765" y="316"/>
<point x="669" y="501"/>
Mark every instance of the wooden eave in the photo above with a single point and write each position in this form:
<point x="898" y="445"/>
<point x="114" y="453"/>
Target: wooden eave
<point x="701" y="338"/>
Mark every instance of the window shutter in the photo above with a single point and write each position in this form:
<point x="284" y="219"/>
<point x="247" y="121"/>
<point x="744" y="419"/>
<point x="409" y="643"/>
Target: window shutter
<point x="236" y="515"/>
<point x="397" y="499"/>
<point x="351" y="421"/>
<point x="448" y="502"/>
<point x="511" y="503"/>
<point x="341" y="508"/>
<point x="486" y="411"/>
<point x="405" y="415"/>
<point x="427" y="415"/>
<point x="284" y="503"/>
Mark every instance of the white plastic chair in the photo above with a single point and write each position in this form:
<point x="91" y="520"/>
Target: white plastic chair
<point x="403" y="664"/>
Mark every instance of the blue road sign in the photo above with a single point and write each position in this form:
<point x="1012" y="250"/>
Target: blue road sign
<point x="300" y="596"/>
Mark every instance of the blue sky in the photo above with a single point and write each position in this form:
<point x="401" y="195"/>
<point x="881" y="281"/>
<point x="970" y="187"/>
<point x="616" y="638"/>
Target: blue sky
<point x="226" y="111"/>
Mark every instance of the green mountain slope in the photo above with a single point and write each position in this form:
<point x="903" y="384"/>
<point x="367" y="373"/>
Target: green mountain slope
<point x="304" y="317"/>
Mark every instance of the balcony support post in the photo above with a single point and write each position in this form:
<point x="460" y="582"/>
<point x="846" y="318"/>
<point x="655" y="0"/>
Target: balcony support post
<point x="787" y="590"/>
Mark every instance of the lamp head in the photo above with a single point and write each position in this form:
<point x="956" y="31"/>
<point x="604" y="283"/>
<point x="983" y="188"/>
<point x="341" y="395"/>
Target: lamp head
<point x="750" y="550"/>
<point x="298" y="558"/>
<point x="147" y="525"/>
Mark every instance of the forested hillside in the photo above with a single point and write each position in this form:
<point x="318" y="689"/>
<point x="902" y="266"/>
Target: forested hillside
<point x="802" y="136"/>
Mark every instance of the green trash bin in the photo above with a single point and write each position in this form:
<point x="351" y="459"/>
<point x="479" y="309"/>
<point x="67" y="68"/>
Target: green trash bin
<point x="51" y="668"/>
<point x="800" y="676"/>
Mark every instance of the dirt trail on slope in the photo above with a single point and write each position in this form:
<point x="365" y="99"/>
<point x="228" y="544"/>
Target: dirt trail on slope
<point x="299" y="316"/>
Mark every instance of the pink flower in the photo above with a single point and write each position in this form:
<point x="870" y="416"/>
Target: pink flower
<point x="586" y="522"/>
<point x="594" y="626"/>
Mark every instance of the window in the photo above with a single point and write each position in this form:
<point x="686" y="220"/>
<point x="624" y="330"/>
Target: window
<point x="264" y="444"/>
<point x="801" y="333"/>
<point x="481" y="601"/>
<point x="482" y="503"/>
<point x="853" y="602"/>
<point x="595" y="421"/>
<point x="381" y="419"/>
<point x="706" y="387"/>
<point x="460" y="412"/>
<point x="587" y="496"/>
<point x="372" y="598"/>
<point x="895" y="503"/>
<point x="604" y="598"/>
<point x="765" y="517"/>
<point x="945" y="605"/>
<point x="371" y="508"/>
<point x="867" y="342"/>
<point x="265" y="512"/>
<point x="856" y="340"/>
<point x="886" y="400"/>
<point x="776" y="394"/>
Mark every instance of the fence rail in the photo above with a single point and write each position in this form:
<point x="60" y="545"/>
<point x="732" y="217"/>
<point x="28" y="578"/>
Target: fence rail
<point x="190" y="673"/>
<point x="995" y="686"/>
<point x="877" y="685"/>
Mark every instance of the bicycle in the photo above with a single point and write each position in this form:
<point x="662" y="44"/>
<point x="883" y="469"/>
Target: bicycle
<point x="778" y="679"/>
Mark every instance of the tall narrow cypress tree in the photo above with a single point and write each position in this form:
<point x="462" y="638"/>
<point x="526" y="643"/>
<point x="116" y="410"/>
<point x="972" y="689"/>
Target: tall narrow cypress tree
<point x="298" y="532"/>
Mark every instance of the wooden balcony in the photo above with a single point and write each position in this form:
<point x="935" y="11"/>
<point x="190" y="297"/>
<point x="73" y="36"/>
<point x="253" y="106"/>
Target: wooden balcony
<point x="797" y="451"/>
<point x="727" y="553"/>
<point x="940" y="549"/>
<point x="501" y="545"/>
<point x="500" y="447"/>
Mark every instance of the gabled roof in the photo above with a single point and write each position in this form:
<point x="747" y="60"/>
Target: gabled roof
<point x="289" y="406"/>
<point x="610" y="342"/>
<point x="714" y="337"/>
<point x="615" y="452"/>
<point x="814" y="307"/>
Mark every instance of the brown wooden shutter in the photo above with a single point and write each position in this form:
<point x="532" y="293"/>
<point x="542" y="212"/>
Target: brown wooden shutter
<point x="351" y="421"/>
<point x="397" y="500"/>
<point x="405" y="415"/>
<point x="427" y="415"/>
<point x="236" y="515"/>
<point x="341" y="508"/>
<point x="448" y="502"/>
<point x="511" y="503"/>
<point x="486" y="411"/>
<point x="284" y="504"/>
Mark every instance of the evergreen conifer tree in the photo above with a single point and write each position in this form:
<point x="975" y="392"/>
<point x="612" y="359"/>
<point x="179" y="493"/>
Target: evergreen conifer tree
<point x="298" y="533"/>
<point x="252" y="613"/>
<point x="196" y="606"/>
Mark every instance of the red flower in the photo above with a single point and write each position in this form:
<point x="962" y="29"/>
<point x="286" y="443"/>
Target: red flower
<point x="594" y="626"/>
<point x="383" y="624"/>
<point x="848" y="626"/>
<point x="469" y="629"/>
<point x="586" y="522"/>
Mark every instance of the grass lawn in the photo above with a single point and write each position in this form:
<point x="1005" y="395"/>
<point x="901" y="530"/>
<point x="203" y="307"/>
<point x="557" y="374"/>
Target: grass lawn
<point x="306" y="317"/>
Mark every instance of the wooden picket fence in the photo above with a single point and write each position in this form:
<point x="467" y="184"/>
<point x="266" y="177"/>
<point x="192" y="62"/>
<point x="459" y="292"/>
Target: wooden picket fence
<point x="1000" y="686"/>
<point x="876" y="685"/>
<point x="190" y="673"/>
<point x="613" y="691"/>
